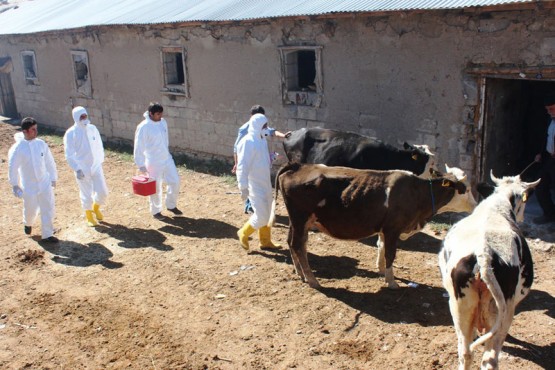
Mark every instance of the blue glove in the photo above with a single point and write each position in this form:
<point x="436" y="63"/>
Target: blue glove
<point x="17" y="191"/>
<point x="248" y="207"/>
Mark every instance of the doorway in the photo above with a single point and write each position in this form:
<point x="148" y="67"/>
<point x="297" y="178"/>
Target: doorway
<point x="515" y="127"/>
<point x="8" y="107"/>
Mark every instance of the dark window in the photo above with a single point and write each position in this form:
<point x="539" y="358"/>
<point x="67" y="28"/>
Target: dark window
<point x="173" y="67"/>
<point x="306" y="64"/>
<point x="301" y="75"/>
<point x="29" y="66"/>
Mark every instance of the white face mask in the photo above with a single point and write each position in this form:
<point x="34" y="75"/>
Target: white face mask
<point x="85" y="121"/>
<point x="265" y="132"/>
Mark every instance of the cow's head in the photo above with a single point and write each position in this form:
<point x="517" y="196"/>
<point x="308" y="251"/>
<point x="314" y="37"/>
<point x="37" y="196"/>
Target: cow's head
<point x="516" y="190"/>
<point x="422" y="154"/>
<point x="463" y="200"/>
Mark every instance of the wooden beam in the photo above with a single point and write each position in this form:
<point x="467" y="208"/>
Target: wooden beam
<point x="523" y="73"/>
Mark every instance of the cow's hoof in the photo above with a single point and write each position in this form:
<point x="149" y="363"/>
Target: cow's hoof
<point x="270" y="246"/>
<point x="393" y="285"/>
<point x="314" y="285"/>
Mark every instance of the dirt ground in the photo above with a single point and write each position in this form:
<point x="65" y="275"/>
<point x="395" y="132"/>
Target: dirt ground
<point x="140" y="293"/>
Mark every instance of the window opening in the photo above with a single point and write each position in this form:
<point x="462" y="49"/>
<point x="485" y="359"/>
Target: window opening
<point x="301" y="75"/>
<point x="81" y="72"/>
<point x="175" y="71"/>
<point x="29" y="67"/>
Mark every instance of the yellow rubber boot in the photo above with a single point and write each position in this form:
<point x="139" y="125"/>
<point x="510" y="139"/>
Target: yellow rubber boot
<point x="90" y="219"/>
<point x="96" y="210"/>
<point x="244" y="234"/>
<point x="264" y="234"/>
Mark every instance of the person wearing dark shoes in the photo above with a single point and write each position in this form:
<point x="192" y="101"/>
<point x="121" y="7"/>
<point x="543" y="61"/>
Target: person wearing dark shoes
<point x="152" y="156"/>
<point x="32" y="174"/>
<point x="175" y="211"/>
<point x="159" y="216"/>
<point x="547" y="172"/>
<point x="50" y="239"/>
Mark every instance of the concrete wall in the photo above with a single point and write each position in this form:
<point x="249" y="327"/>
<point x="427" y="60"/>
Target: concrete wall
<point x="397" y="76"/>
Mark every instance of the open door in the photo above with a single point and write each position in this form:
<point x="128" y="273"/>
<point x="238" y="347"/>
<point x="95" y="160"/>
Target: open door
<point x="8" y="107"/>
<point x="515" y="126"/>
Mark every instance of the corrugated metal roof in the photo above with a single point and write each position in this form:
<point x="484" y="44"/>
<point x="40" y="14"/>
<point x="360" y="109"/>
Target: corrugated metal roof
<point x="49" y="15"/>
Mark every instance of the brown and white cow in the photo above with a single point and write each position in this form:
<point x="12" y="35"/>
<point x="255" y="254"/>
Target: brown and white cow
<point x="487" y="269"/>
<point x="348" y="203"/>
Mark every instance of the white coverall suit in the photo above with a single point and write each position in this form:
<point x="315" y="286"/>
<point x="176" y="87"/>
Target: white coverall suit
<point x="253" y="171"/>
<point x="152" y="152"/>
<point x="84" y="151"/>
<point x="32" y="167"/>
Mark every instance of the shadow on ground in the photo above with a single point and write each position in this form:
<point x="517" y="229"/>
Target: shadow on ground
<point x="134" y="237"/>
<point x="543" y="356"/>
<point x="538" y="300"/>
<point x="427" y="305"/>
<point x="80" y="255"/>
<point x="199" y="228"/>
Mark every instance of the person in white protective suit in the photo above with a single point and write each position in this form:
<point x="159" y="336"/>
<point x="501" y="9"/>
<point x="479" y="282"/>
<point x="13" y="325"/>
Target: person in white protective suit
<point x="152" y="156"/>
<point x="242" y="132"/>
<point x="84" y="153"/>
<point x="32" y="173"/>
<point x="253" y="178"/>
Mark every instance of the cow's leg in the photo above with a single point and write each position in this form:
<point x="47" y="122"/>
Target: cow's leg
<point x="493" y="347"/>
<point x="380" y="261"/>
<point x="294" y="256"/>
<point x="390" y="249"/>
<point x="464" y="311"/>
<point x="299" y="238"/>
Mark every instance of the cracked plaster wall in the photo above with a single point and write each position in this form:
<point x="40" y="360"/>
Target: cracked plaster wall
<point x="399" y="77"/>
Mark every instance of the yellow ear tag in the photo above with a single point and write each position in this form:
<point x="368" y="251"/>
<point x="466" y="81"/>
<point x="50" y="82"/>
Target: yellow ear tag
<point x="445" y="183"/>
<point x="524" y="197"/>
<point x="415" y="157"/>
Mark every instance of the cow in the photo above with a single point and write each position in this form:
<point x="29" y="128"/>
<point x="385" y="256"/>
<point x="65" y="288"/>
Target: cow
<point x="340" y="148"/>
<point x="486" y="267"/>
<point x="348" y="203"/>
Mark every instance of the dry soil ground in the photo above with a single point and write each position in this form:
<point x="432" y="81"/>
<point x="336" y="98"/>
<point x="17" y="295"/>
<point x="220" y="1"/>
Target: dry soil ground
<point x="140" y="293"/>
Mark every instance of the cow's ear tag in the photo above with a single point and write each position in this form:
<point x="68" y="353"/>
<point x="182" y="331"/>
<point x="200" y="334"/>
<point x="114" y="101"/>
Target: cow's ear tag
<point x="415" y="157"/>
<point x="524" y="197"/>
<point x="445" y="183"/>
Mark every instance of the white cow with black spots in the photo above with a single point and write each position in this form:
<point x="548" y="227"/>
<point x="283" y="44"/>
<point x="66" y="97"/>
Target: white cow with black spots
<point x="487" y="270"/>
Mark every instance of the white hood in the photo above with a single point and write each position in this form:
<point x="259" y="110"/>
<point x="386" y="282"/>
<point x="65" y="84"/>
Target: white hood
<point x="256" y="123"/>
<point x="77" y="112"/>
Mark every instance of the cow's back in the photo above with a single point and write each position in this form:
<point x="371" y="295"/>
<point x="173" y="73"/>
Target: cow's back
<point x="340" y="148"/>
<point x="305" y="186"/>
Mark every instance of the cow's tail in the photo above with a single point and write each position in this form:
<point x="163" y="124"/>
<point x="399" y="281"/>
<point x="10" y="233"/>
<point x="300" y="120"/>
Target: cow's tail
<point x="488" y="277"/>
<point x="286" y="167"/>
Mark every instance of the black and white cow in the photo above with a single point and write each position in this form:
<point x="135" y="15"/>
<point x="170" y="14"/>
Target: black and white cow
<point x="348" y="149"/>
<point x="487" y="269"/>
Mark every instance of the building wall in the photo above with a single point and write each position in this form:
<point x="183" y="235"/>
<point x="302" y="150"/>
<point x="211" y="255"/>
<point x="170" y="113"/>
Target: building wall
<point x="397" y="76"/>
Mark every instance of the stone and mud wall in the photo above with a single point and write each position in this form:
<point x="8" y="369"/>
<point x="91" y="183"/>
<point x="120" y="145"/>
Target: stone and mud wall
<point x="398" y="76"/>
